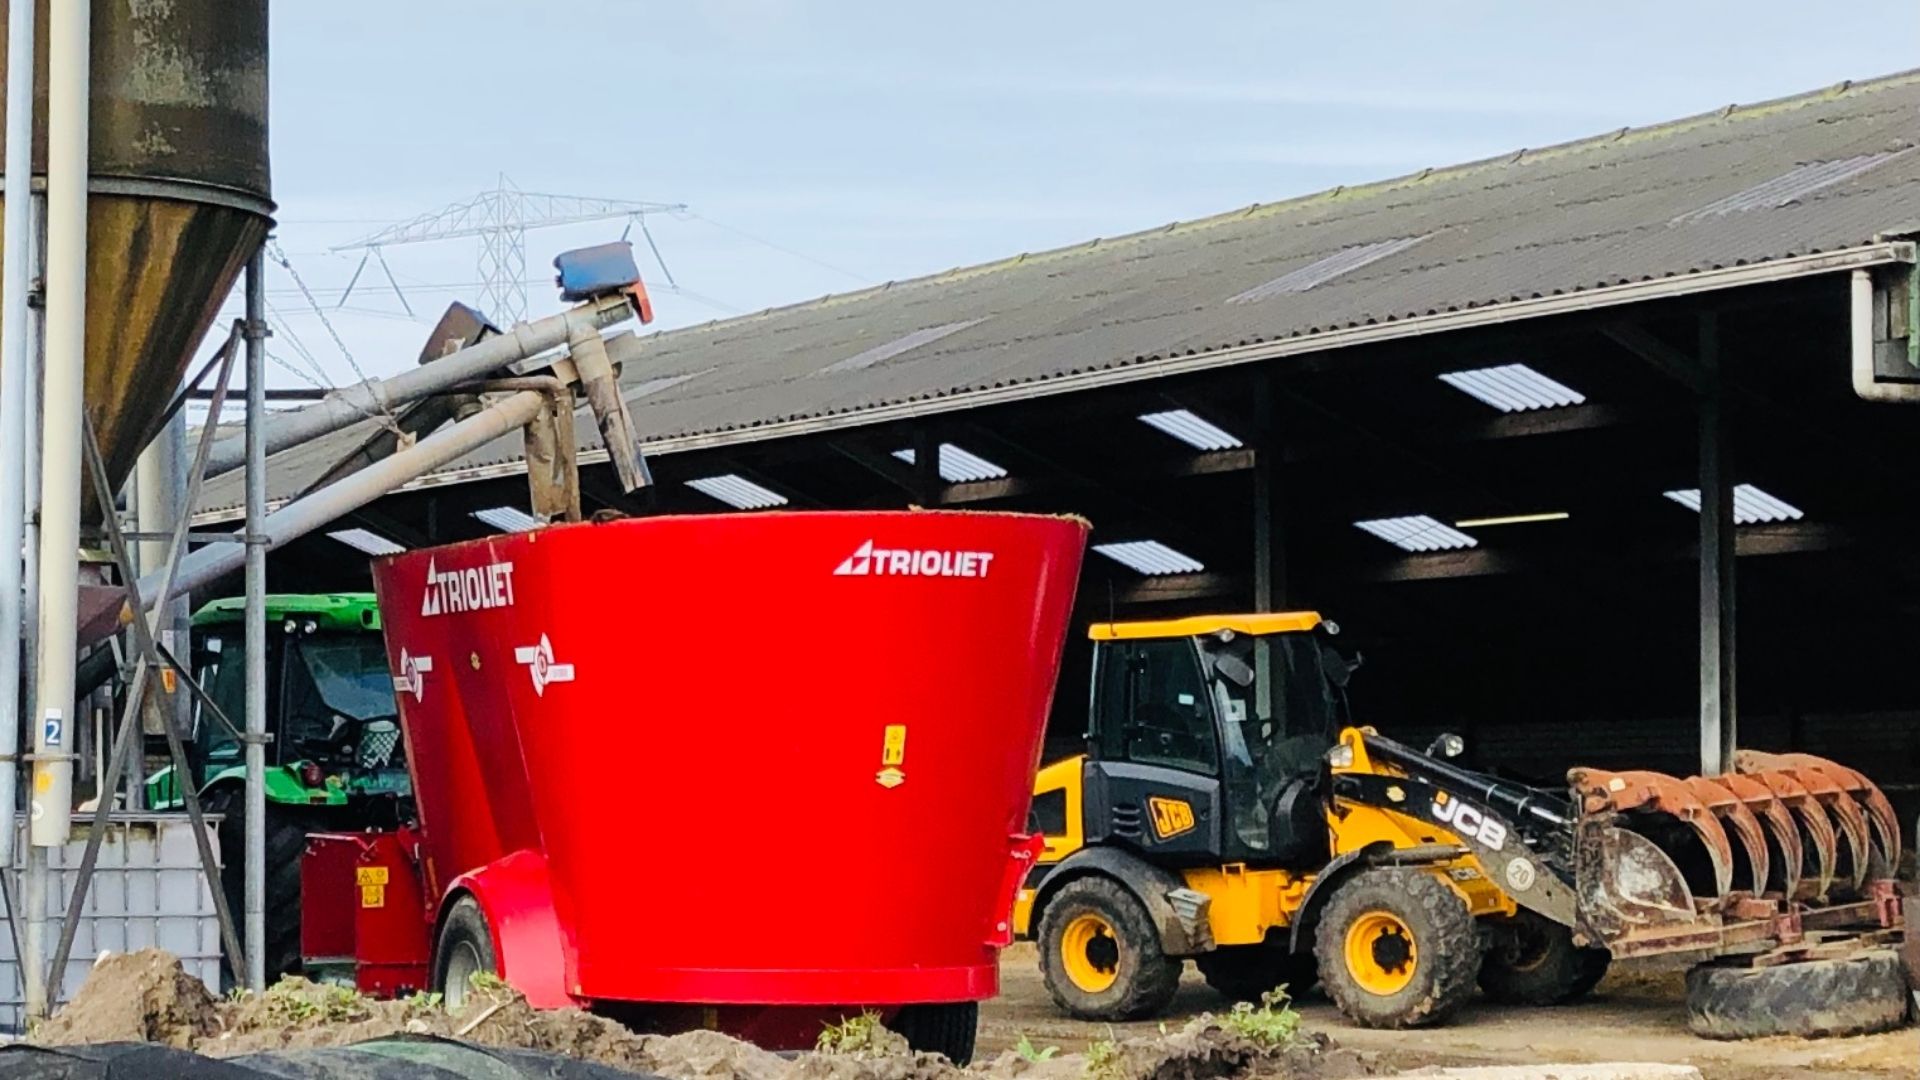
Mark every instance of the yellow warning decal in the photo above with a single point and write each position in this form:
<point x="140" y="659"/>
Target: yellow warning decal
<point x="370" y="875"/>
<point x="1171" y="817"/>
<point x="894" y="750"/>
<point x="373" y="896"/>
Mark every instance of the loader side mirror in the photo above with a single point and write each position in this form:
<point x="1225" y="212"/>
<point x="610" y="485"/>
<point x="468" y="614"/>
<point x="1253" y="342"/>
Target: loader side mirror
<point x="1447" y="745"/>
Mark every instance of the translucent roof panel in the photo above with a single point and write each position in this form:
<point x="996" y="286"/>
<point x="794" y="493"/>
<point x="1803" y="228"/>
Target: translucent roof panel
<point x="1513" y="388"/>
<point x="1791" y="186"/>
<point x="1150" y="557"/>
<point x="1751" y="506"/>
<point x="506" y="519"/>
<point x="1190" y="429"/>
<point x="1320" y="271"/>
<point x="1418" y="532"/>
<point x="958" y="466"/>
<point x="738" y="492"/>
<point x="906" y="343"/>
<point x="371" y="543"/>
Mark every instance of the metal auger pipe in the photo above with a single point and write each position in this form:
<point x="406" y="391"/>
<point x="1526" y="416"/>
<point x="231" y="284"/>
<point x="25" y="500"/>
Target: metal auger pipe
<point x="375" y="397"/>
<point x="302" y="516"/>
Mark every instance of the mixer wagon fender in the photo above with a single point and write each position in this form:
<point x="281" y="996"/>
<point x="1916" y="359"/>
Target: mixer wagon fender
<point x="524" y="935"/>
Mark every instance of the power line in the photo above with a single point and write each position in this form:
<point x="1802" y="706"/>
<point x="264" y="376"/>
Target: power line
<point x="783" y="249"/>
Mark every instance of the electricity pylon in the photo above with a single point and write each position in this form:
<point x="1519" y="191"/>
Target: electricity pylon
<point x="501" y="218"/>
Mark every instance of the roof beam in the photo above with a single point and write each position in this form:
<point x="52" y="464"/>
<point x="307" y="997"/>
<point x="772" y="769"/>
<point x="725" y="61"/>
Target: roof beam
<point x="1749" y="541"/>
<point x="1665" y="358"/>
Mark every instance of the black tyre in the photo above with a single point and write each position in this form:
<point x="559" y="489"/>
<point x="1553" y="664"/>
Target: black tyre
<point x="1244" y="972"/>
<point x="947" y="1029"/>
<point x="463" y="949"/>
<point x="1812" y="999"/>
<point x="1100" y="953"/>
<point x="286" y="843"/>
<point x="1533" y="961"/>
<point x="1397" y="948"/>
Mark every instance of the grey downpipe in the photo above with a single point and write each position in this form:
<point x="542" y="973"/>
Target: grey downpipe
<point x="1860" y="322"/>
<point x="374" y="397"/>
<point x="15" y="366"/>
<point x="298" y="518"/>
<point x="49" y="820"/>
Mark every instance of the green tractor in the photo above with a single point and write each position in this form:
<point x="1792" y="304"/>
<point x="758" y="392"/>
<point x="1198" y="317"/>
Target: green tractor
<point x="336" y="761"/>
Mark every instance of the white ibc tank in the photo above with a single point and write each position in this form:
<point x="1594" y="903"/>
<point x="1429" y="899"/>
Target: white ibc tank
<point x="147" y="892"/>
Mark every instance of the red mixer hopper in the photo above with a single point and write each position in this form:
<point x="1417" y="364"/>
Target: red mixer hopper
<point x="757" y="759"/>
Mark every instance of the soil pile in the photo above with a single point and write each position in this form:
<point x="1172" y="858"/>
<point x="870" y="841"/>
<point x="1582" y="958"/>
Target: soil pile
<point x="136" y="997"/>
<point x="147" y="997"/>
<point x="1205" y="1049"/>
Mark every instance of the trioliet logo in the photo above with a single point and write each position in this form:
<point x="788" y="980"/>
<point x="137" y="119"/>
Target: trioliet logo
<point x="450" y="592"/>
<point x="870" y="561"/>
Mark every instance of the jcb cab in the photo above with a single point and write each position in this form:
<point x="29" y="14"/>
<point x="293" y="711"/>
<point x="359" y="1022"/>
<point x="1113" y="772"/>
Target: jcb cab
<point x="1225" y="811"/>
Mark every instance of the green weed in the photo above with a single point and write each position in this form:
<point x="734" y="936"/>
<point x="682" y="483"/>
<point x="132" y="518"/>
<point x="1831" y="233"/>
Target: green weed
<point x="1270" y="1025"/>
<point x="1031" y="1053"/>
<point x="855" y="1036"/>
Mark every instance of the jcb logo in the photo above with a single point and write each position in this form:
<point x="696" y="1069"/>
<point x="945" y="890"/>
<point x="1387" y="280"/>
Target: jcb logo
<point x="1470" y="823"/>
<point x="1171" y="817"/>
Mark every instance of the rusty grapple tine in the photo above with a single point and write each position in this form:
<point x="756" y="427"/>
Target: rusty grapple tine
<point x="1741" y="824"/>
<point x="1850" y="821"/>
<point x="1779" y="824"/>
<point x="1640" y="789"/>
<point x="1886" y="824"/>
<point x="1816" y="833"/>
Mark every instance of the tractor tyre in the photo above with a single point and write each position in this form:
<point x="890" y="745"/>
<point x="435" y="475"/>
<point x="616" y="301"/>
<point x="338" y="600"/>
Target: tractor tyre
<point x="1811" y="999"/>
<point x="1100" y="953"/>
<point x="286" y="843"/>
<point x="463" y="949"/>
<point x="1398" y="948"/>
<point x="1244" y="972"/>
<point x="947" y="1029"/>
<point x="1535" y="962"/>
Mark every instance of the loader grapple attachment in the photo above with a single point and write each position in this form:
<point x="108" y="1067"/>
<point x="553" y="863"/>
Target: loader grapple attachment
<point x="1742" y="862"/>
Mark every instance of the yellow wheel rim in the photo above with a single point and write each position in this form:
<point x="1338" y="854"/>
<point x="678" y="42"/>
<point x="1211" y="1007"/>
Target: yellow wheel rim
<point x="1380" y="953"/>
<point x="1090" y="953"/>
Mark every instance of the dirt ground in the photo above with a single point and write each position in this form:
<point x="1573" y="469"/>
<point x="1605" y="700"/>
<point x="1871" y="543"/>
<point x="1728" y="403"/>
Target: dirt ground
<point x="1631" y="1017"/>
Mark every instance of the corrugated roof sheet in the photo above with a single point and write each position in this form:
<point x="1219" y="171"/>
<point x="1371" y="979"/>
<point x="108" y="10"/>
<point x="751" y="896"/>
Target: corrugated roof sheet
<point x="1602" y="212"/>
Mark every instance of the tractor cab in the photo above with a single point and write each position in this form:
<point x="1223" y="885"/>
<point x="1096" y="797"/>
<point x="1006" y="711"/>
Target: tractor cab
<point x="330" y="702"/>
<point x="1218" y="728"/>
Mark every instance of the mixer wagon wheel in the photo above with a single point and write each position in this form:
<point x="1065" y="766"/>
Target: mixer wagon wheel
<point x="1398" y="948"/>
<point x="286" y="843"/>
<point x="1244" y="972"/>
<point x="463" y="950"/>
<point x="947" y="1029"/>
<point x="1100" y="953"/>
<point x="1533" y="961"/>
<point x="1858" y="995"/>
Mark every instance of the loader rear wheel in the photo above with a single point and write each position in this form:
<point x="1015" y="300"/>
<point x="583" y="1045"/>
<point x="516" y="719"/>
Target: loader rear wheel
<point x="1100" y="953"/>
<point x="947" y="1029"/>
<point x="1244" y="972"/>
<point x="463" y="950"/>
<point x="1811" y="999"/>
<point x="286" y="843"/>
<point x="1397" y="948"/>
<point x="1533" y="961"/>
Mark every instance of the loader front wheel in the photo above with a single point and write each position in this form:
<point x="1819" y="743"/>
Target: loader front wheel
<point x="1244" y="972"/>
<point x="1100" y="953"/>
<point x="1533" y="961"/>
<point x="463" y="950"/>
<point x="1398" y="948"/>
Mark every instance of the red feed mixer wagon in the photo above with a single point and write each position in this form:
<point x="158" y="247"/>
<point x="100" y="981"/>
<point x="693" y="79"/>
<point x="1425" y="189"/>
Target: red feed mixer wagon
<point x="753" y="772"/>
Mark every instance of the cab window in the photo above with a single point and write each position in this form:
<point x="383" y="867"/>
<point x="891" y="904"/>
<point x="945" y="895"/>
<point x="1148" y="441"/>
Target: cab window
<point x="1154" y="707"/>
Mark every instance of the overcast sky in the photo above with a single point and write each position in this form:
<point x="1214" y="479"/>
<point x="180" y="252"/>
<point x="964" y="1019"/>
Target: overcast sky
<point x="828" y="145"/>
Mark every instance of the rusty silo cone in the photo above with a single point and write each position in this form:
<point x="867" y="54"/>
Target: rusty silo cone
<point x="179" y="194"/>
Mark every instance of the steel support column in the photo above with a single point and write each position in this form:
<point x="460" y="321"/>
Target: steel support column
<point x="1718" y="707"/>
<point x="255" y="919"/>
<point x="1270" y="585"/>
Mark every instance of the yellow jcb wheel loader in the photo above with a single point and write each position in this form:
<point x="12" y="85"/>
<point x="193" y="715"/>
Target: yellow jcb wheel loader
<point x="1227" y="811"/>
